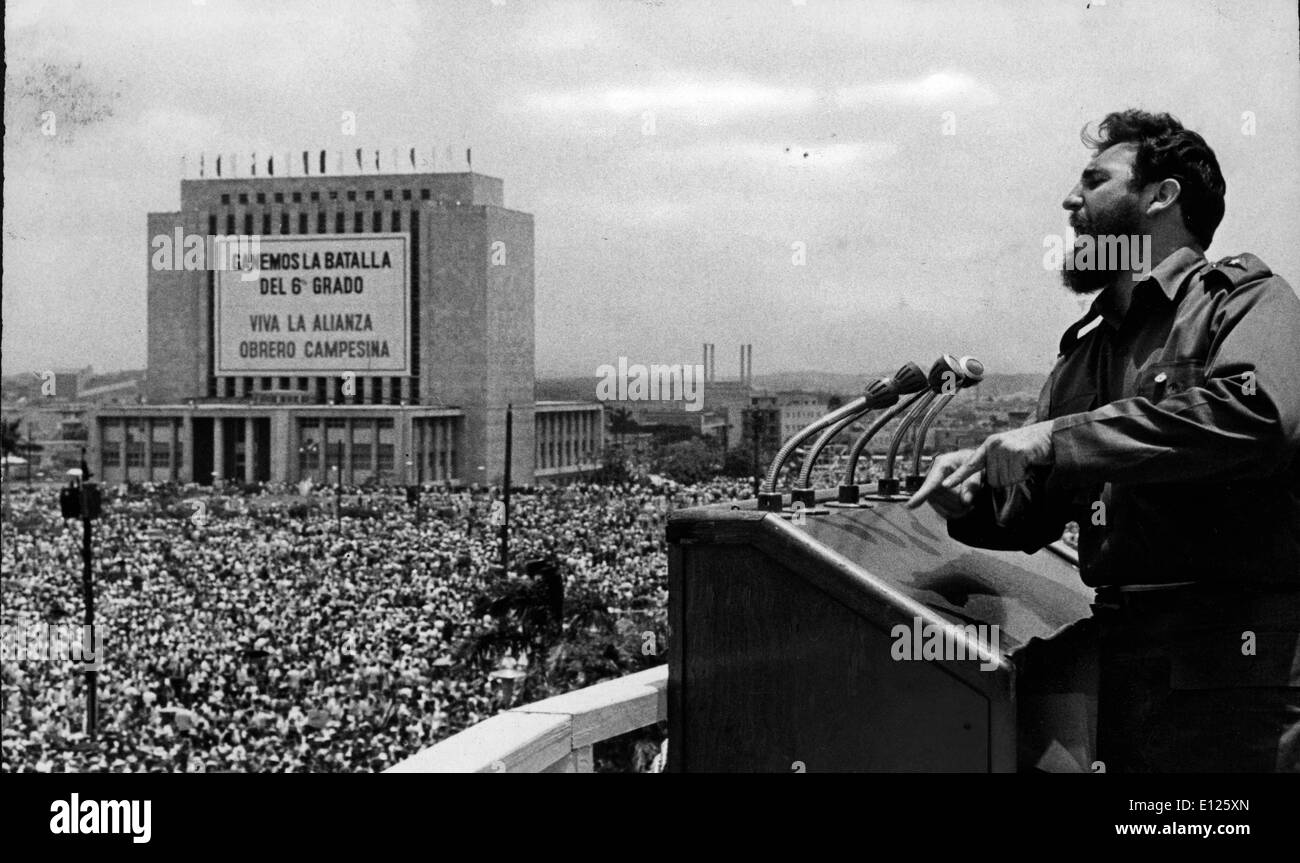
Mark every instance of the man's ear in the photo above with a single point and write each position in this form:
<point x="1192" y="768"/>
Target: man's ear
<point x="1164" y="195"/>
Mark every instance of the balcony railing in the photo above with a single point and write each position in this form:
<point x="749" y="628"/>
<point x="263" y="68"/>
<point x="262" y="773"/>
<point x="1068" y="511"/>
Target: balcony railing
<point x="551" y="736"/>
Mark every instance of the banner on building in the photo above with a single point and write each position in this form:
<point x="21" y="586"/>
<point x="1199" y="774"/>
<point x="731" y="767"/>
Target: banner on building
<point x="324" y="304"/>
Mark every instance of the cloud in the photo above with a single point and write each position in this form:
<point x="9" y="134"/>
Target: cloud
<point x="704" y="100"/>
<point x="941" y="89"/>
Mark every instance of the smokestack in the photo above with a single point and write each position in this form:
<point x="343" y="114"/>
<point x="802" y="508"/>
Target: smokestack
<point x="706" y="361"/>
<point x="713" y="362"/>
<point x="749" y="364"/>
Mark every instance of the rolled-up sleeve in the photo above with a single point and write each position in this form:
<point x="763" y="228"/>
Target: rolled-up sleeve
<point x="1242" y="422"/>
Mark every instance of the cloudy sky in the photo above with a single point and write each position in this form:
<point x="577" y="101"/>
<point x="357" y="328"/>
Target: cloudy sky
<point x="677" y="156"/>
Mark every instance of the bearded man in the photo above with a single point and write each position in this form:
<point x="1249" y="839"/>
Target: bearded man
<point x="1169" y="430"/>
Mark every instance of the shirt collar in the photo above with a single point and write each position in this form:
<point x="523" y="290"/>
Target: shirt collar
<point x="1168" y="276"/>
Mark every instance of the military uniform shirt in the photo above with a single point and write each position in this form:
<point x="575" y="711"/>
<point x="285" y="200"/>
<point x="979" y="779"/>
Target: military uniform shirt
<point x="1175" y="431"/>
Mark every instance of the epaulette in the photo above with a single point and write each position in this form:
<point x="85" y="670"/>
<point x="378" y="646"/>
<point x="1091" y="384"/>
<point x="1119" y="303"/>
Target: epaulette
<point x="1236" y="271"/>
<point x="1078" y="330"/>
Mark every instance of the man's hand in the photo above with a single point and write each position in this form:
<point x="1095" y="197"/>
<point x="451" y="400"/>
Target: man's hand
<point x="1006" y="458"/>
<point x="948" y="502"/>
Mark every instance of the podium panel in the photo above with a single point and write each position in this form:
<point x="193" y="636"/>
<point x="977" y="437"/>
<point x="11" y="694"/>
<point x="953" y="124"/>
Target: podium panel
<point x="868" y="640"/>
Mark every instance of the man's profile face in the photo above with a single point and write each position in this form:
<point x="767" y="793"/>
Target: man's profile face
<point x="1102" y="204"/>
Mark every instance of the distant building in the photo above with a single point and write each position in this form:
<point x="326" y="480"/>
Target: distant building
<point x="798" y="409"/>
<point x="367" y="328"/>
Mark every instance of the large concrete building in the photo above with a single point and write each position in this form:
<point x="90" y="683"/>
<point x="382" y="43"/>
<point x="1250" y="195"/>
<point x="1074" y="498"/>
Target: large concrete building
<point x="367" y="327"/>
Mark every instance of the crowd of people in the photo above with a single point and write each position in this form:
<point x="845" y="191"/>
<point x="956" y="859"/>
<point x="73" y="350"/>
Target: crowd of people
<point x="271" y="633"/>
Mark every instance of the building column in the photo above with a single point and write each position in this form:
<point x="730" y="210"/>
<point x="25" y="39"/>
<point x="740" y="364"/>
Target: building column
<point x="322" y="453"/>
<point x="586" y="438"/>
<point x="250" y="452"/>
<point x="449" y="451"/>
<point x="284" y="448"/>
<point x="433" y="441"/>
<point x="442" y="446"/>
<point x="123" y="447"/>
<point x="405" y="384"/>
<point x="345" y="469"/>
<point x="240" y="387"/>
<point x="148" y="449"/>
<point x="374" y="449"/>
<point x="173" y="432"/>
<point x="187" y="458"/>
<point x="218" y="448"/>
<point x="95" y="458"/>
<point x="417" y="449"/>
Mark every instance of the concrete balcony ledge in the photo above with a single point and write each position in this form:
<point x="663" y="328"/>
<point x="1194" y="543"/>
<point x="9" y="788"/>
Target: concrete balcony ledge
<point x="551" y="736"/>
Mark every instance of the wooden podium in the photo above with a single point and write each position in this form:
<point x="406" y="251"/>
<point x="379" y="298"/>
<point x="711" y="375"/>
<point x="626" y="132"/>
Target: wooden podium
<point x="786" y="654"/>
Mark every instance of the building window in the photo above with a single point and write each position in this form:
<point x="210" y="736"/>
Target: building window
<point x="279" y="197"/>
<point x="425" y="195"/>
<point x="334" y="195"/>
<point x="284" y="223"/>
<point x="358" y="222"/>
<point x="230" y="223"/>
<point x="112" y="457"/>
<point x="388" y="194"/>
<point x="397" y="220"/>
<point x="406" y="194"/>
<point x="248" y="223"/>
<point x="320" y="223"/>
<point x="261" y="198"/>
<point x="296" y="197"/>
<point x="377" y="223"/>
<point x="370" y="194"/>
<point x="225" y="199"/>
<point x="266" y="223"/>
<point x="243" y="198"/>
<point x="314" y="196"/>
<point x="338" y="223"/>
<point x="302" y="223"/>
<point x="352" y="196"/>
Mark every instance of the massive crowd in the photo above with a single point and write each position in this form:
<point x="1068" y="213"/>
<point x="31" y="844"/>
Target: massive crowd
<point x="261" y="634"/>
<point x="270" y="632"/>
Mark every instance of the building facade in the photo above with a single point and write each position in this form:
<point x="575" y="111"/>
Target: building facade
<point x="369" y="328"/>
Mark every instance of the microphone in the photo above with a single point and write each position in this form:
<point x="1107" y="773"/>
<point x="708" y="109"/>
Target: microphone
<point x="884" y="391"/>
<point x="907" y="380"/>
<point x="973" y="373"/>
<point x="946" y="375"/>
<point x="849" y="491"/>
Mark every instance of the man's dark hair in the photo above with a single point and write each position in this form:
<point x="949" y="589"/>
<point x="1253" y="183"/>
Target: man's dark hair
<point x="1168" y="151"/>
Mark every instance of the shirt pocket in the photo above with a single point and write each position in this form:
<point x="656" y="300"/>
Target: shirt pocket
<point x="1160" y="380"/>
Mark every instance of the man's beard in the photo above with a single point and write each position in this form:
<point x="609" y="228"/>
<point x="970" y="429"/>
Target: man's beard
<point x="1123" y="220"/>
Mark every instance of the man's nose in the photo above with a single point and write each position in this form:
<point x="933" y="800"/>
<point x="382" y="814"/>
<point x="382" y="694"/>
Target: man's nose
<point x="1074" y="200"/>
